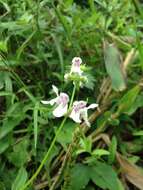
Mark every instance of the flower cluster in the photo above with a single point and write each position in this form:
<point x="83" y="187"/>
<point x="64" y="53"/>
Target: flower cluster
<point x="79" y="110"/>
<point x="76" y="74"/>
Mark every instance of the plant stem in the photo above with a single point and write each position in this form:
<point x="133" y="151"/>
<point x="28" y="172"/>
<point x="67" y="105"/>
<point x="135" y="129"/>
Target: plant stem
<point x="51" y="146"/>
<point x="67" y="157"/>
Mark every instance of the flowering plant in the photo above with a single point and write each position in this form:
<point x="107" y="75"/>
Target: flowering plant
<point x="67" y="107"/>
<point x="79" y="110"/>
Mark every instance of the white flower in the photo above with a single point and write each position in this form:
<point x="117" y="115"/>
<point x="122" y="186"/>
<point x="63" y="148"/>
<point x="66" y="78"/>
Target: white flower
<point x="76" y="74"/>
<point x="80" y="112"/>
<point x="61" y="103"/>
<point x="75" y="68"/>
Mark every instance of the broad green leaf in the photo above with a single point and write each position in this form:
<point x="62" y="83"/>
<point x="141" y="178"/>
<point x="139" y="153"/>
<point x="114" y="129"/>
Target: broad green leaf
<point x="20" y="179"/>
<point x="104" y="176"/>
<point x="79" y="177"/>
<point x="19" y="156"/>
<point x="126" y="102"/>
<point x="113" y="66"/>
<point x="9" y="124"/>
<point x="65" y="136"/>
<point x="98" y="179"/>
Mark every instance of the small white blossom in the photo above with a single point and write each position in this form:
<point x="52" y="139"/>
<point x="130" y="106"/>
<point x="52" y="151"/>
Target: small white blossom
<point x="61" y="103"/>
<point x="76" y="75"/>
<point x="80" y="111"/>
<point x="75" y="68"/>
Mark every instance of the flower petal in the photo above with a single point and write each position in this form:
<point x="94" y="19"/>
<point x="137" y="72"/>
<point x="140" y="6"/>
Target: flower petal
<point x="92" y="106"/>
<point x="60" y="110"/>
<point x="51" y="102"/>
<point x="55" y="89"/>
<point x="75" y="116"/>
<point x="77" y="60"/>
<point x="66" y="76"/>
<point x="84" y="116"/>
<point x="75" y="69"/>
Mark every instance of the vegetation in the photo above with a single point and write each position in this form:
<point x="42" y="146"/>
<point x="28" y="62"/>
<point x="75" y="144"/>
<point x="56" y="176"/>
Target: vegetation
<point x="38" y="41"/>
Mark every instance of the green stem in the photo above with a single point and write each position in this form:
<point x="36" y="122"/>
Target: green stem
<point x="81" y="132"/>
<point x="51" y="146"/>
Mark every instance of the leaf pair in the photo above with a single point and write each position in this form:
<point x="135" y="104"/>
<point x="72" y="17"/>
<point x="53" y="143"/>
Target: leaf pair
<point x="101" y="174"/>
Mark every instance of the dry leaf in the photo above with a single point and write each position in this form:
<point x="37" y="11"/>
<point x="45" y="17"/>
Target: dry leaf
<point x="131" y="172"/>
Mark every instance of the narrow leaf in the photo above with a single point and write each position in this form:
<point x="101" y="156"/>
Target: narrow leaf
<point x="36" y="123"/>
<point x="112" y="150"/>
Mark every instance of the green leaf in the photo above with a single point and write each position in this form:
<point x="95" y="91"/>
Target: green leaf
<point x="13" y="117"/>
<point x="121" y="187"/>
<point x="79" y="176"/>
<point x="4" y="144"/>
<point x="100" y="152"/>
<point x="19" y="156"/>
<point x="113" y="66"/>
<point x="20" y="179"/>
<point x="36" y="108"/>
<point x="104" y="176"/>
<point x="3" y="46"/>
<point x="60" y="54"/>
<point x="137" y="104"/>
<point x="91" y="4"/>
<point x="9" y="124"/>
<point x="138" y="133"/>
<point x="127" y="101"/>
<point x="66" y="134"/>
<point x="85" y="145"/>
<point x="112" y="150"/>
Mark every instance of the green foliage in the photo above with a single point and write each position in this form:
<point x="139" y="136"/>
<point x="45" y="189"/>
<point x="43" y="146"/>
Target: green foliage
<point x="20" y="179"/>
<point x="126" y="102"/>
<point x="19" y="155"/>
<point x="79" y="177"/>
<point x="113" y="67"/>
<point x="100" y="173"/>
<point x="38" y="40"/>
<point x="112" y="150"/>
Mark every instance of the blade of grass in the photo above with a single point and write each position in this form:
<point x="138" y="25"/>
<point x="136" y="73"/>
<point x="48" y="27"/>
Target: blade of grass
<point x="36" y="108"/>
<point x="59" y="51"/>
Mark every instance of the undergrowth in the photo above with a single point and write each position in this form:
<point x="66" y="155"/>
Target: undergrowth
<point x="38" y="40"/>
